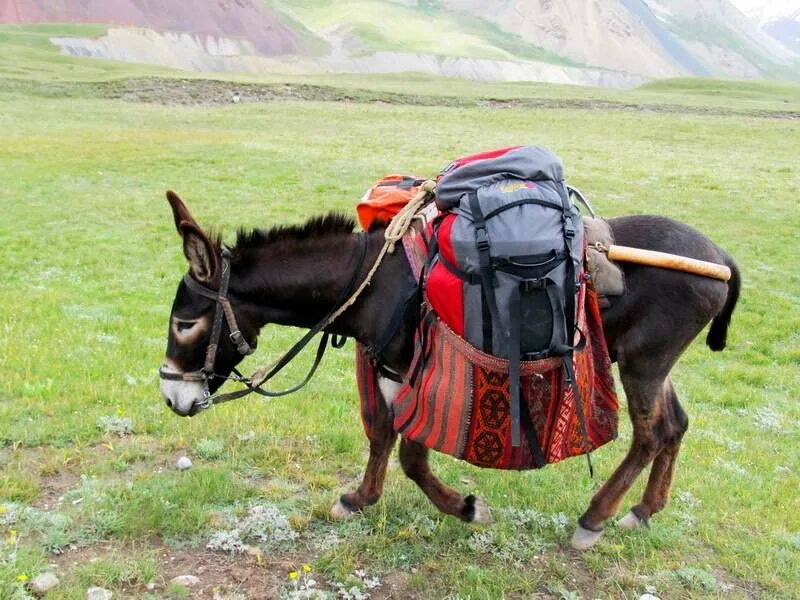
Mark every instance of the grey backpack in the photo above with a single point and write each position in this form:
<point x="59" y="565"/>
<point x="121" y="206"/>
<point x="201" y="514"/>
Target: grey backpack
<point x="515" y="240"/>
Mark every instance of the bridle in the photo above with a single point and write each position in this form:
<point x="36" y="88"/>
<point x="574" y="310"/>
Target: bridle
<point x="224" y="310"/>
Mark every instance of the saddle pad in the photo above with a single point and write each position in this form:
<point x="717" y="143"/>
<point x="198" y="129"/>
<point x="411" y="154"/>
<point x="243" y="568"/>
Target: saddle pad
<point x="459" y="401"/>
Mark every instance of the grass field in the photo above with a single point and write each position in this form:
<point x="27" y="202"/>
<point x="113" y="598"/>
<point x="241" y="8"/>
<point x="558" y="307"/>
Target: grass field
<point x="91" y="260"/>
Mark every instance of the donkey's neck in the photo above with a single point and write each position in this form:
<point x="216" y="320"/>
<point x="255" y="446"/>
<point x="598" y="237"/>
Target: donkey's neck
<point x="299" y="282"/>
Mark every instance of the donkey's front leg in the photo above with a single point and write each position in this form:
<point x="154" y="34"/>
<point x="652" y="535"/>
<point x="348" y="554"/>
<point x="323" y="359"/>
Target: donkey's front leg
<point x="381" y="442"/>
<point x="414" y="460"/>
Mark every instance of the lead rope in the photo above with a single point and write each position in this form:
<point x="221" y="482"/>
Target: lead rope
<point x="395" y="230"/>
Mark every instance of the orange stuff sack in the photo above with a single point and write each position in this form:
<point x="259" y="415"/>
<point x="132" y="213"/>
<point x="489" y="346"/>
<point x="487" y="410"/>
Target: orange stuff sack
<point x="386" y="198"/>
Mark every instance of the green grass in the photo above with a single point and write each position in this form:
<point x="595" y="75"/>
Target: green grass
<point x="728" y="89"/>
<point x="90" y="264"/>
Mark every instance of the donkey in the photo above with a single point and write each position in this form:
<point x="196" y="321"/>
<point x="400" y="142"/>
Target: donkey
<point x="296" y="275"/>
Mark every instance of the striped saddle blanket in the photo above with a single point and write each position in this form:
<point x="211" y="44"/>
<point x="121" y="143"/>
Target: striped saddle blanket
<point x="457" y="400"/>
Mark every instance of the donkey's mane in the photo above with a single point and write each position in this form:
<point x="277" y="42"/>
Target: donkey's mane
<point x="320" y="226"/>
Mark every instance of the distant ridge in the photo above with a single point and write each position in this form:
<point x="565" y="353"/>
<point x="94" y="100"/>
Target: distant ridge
<point x="609" y="43"/>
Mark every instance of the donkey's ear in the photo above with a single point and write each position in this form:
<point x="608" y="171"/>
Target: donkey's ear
<point x="199" y="251"/>
<point x="179" y="211"/>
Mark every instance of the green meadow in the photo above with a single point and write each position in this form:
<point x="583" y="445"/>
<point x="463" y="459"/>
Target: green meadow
<point x="90" y="262"/>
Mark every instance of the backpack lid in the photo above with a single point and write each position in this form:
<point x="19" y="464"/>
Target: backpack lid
<point x="526" y="163"/>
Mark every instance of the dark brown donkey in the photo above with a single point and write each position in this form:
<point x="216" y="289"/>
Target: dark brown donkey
<point x="295" y="276"/>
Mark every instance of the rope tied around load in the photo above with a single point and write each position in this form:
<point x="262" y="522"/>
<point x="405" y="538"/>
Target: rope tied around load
<point x="395" y="231"/>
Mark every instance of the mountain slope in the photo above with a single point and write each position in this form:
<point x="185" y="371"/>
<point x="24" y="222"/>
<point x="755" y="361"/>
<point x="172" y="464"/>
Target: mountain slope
<point x="655" y="38"/>
<point x="618" y="43"/>
<point x="785" y="29"/>
<point x="604" y="34"/>
<point x="248" y="20"/>
<point x="725" y="39"/>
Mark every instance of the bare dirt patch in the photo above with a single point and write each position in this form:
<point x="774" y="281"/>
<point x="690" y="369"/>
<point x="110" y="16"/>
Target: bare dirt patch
<point x="53" y="488"/>
<point x="222" y="576"/>
<point x="208" y="92"/>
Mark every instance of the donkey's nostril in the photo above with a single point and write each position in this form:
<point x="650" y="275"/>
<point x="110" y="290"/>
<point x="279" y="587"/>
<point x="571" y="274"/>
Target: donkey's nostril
<point x="169" y="402"/>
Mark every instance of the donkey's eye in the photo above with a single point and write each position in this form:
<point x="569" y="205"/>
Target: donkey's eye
<point x="183" y="326"/>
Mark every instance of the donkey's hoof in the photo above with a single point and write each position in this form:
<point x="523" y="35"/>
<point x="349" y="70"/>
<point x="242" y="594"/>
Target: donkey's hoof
<point x="340" y="512"/>
<point x="583" y="539"/>
<point x="630" y="521"/>
<point x="480" y="511"/>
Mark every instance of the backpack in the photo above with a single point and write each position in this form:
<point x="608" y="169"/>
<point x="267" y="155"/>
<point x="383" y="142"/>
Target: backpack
<point x="504" y="265"/>
<point x="386" y="198"/>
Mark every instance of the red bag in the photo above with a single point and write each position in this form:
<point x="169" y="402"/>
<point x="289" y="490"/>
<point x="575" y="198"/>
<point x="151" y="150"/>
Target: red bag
<point x="386" y="198"/>
<point x="471" y="158"/>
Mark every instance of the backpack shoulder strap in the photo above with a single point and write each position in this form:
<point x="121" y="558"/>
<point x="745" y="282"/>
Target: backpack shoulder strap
<point x="483" y="245"/>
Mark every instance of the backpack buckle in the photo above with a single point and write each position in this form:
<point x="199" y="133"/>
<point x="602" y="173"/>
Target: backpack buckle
<point x="569" y="228"/>
<point x="528" y="285"/>
<point x="482" y="239"/>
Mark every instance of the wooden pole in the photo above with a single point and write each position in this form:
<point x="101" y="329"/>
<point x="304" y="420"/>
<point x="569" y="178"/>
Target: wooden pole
<point x="669" y="261"/>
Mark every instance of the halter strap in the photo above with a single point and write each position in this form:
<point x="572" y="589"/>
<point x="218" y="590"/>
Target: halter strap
<point x="360" y="255"/>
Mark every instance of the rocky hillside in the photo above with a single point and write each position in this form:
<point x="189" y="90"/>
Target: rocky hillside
<point x="247" y="20"/>
<point x="654" y="38"/>
<point x="616" y="43"/>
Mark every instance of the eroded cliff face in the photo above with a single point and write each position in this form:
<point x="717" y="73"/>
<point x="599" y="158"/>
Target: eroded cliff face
<point x="247" y="20"/>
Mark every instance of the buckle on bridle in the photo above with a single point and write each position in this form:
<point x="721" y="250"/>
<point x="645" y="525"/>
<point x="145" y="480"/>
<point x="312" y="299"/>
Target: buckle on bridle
<point x="205" y="403"/>
<point x="241" y="344"/>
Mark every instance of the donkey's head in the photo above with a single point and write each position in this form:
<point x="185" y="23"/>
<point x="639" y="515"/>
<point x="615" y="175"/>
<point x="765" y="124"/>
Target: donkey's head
<point x="209" y="331"/>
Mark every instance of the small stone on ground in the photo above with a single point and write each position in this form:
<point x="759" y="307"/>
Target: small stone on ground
<point x="185" y="580"/>
<point x="97" y="593"/>
<point x="184" y="463"/>
<point x="44" y="582"/>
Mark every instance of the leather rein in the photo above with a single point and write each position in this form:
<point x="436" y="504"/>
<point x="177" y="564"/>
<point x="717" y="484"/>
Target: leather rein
<point x="224" y="310"/>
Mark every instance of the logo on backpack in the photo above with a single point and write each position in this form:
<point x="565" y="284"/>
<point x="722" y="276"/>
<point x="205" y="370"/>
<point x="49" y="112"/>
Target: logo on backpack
<point x="513" y="187"/>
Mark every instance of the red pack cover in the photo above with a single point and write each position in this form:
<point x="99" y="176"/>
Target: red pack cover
<point x="471" y="158"/>
<point x="386" y="198"/>
<point x="445" y="291"/>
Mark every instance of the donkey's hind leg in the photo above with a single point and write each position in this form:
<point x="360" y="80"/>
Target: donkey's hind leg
<point x="673" y="424"/>
<point x="414" y="460"/>
<point x="381" y="442"/>
<point x="645" y="406"/>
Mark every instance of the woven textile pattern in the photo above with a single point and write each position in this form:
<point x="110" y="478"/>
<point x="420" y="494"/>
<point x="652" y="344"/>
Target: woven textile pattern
<point x="459" y="403"/>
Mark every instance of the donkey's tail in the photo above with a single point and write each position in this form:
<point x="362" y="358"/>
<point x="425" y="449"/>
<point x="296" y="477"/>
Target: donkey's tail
<point x="718" y="333"/>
